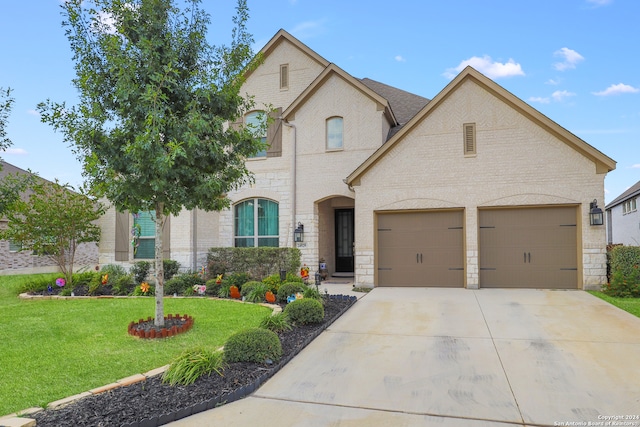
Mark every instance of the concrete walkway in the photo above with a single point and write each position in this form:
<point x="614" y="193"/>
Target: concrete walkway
<point x="456" y="357"/>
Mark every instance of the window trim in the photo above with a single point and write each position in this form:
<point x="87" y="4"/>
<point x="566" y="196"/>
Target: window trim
<point x="629" y="206"/>
<point x="152" y="214"/>
<point x="326" y="130"/>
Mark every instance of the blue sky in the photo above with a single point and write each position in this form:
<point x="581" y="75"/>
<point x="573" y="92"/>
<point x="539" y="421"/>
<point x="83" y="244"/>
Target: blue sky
<point x="577" y="61"/>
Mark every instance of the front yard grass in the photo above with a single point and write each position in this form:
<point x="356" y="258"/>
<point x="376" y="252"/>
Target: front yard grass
<point x="52" y="349"/>
<point x="632" y="305"/>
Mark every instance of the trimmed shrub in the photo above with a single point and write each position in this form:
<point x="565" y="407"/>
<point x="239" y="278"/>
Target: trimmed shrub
<point x="287" y="289"/>
<point x="174" y="286"/>
<point x="274" y="282"/>
<point x="123" y="285"/>
<point x="276" y="322"/>
<point x="253" y="345"/>
<point x="192" y="364"/>
<point x="246" y="288"/>
<point x="170" y="268"/>
<point x="305" y="311"/>
<point x="140" y="271"/>
<point x="257" y="262"/>
<point x="182" y="284"/>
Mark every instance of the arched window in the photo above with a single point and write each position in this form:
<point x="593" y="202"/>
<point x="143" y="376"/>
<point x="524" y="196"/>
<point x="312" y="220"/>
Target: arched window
<point x="334" y="133"/>
<point x="256" y="120"/>
<point x="256" y="223"/>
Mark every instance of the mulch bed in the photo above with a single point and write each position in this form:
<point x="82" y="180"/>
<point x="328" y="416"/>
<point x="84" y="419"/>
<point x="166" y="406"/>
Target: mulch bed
<point x="153" y="403"/>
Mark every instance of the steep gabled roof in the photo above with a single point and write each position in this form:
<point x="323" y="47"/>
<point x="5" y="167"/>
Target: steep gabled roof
<point x="404" y="104"/>
<point x="281" y="36"/>
<point x="633" y="191"/>
<point x="603" y="163"/>
<point x="332" y="69"/>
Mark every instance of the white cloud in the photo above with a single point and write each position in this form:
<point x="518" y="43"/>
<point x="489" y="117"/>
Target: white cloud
<point x="560" y="95"/>
<point x="617" y="90"/>
<point x="15" y="151"/>
<point x="400" y="58"/>
<point x="636" y="166"/>
<point x="33" y="113"/>
<point x="539" y="99"/>
<point x="488" y="67"/>
<point x="571" y="58"/>
<point x="307" y="29"/>
<point x="598" y="3"/>
<point x="552" y="82"/>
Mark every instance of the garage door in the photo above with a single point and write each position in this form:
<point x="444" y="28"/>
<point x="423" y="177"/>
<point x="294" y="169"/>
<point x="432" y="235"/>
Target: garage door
<point x="421" y="249"/>
<point x="528" y="248"/>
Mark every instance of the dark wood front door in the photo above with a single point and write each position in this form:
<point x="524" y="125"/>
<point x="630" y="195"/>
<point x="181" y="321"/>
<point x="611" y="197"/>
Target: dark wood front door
<point x="344" y="240"/>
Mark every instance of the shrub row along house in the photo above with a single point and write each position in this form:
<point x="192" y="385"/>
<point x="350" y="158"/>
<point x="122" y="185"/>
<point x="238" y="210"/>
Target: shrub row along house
<point x="473" y="188"/>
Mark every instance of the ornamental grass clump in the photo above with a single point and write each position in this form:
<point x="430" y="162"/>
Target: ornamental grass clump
<point x="305" y="311"/>
<point x="276" y="322"/>
<point x="192" y="364"/>
<point x="253" y="345"/>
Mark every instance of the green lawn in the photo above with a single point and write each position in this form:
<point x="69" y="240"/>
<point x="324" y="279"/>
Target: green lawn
<point x="52" y="349"/>
<point x="632" y="305"/>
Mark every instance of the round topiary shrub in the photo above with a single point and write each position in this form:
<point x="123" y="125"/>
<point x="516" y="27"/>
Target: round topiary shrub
<point x="253" y="345"/>
<point x="174" y="286"/>
<point x="287" y="289"/>
<point x="305" y="311"/>
<point x="246" y="288"/>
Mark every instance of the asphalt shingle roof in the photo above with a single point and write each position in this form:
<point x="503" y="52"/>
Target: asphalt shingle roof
<point x="634" y="190"/>
<point x="404" y="104"/>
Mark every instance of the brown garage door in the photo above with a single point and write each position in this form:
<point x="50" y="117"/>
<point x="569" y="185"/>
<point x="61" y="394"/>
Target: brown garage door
<point x="528" y="248"/>
<point x="421" y="249"/>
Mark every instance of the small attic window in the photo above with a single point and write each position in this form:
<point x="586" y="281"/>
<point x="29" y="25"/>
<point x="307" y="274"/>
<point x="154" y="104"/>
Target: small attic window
<point x="469" y="135"/>
<point x="284" y="76"/>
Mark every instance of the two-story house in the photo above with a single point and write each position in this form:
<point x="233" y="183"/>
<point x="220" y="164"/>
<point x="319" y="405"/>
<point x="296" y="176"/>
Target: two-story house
<point x="398" y="190"/>
<point x="623" y="219"/>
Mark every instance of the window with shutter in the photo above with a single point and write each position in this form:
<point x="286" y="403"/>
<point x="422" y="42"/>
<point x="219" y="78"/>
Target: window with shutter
<point x="469" y="133"/>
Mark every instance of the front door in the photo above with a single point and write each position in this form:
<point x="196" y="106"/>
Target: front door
<point x="344" y="240"/>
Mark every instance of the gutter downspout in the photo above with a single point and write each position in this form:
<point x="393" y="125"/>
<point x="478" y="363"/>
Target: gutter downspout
<point x="293" y="180"/>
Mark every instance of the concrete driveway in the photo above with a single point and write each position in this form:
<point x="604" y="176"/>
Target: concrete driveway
<point x="456" y="357"/>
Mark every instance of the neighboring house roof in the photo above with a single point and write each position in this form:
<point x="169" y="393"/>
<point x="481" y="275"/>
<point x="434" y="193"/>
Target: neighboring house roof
<point x="633" y="191"/>
<point x="404" y="104"/>
<point x="331" y="70"/>
<point x="603" y="163"/>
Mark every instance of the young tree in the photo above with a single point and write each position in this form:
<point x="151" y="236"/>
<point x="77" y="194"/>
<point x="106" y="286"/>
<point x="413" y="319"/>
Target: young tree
<point x="155" y="100"/>
<point x="6" y="101"/>
<point x="52" y="220"/>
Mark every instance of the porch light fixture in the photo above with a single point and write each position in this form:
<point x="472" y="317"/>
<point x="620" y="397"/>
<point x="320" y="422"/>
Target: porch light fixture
<point x="298" y="233"/>
<point x="595" y="214"/>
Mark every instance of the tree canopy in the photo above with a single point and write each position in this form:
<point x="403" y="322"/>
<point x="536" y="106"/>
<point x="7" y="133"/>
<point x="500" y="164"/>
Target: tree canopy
<point x="151" y="127"/>
<point x="6" y="101"/>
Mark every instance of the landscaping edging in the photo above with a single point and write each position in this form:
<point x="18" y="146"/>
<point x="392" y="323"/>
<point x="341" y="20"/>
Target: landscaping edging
<point x="161" y="419"/>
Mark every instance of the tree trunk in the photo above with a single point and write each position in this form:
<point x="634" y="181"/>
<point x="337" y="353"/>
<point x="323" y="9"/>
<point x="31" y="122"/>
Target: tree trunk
<point x="159" y="271"/>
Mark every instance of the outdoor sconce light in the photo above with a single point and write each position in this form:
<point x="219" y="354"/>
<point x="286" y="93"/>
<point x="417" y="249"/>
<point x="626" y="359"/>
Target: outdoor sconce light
<point x="595" y="213"/>
<point x="298" y="233"/>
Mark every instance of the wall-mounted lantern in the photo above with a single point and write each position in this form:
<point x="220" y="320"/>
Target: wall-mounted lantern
<point x="298" y="233"/>
<point x="596" y="216"/>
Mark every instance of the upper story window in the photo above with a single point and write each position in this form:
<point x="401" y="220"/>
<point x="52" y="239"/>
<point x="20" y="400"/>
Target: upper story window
<point x="629" y="206"/>
<point x="256" y="120"/>
<point x="256" y="223"/>
<point x="284" y="76"/>
<point x="335" y="133"/>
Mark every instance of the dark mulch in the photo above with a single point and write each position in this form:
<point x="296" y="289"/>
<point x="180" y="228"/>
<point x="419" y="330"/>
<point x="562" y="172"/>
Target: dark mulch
<point x="153" y="403"/>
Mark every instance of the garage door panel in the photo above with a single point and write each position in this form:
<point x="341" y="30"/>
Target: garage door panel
<point x="420" y="249"/>
<point x="528" y="247"/>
